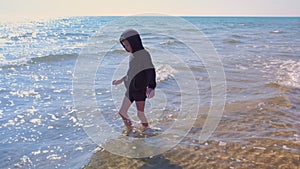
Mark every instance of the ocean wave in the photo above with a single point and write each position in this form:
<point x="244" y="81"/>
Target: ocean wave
<point x="233" y="41"/>
<point x="287" y="73"/>
<point x="76" y="34"/>
<point x="17" y="37"/>
<point x="238" y="36"/>
<point x="24" y="93"/>
<point x="291" y="74"/>
<point x="13" y="63"/>
<point x="25" y="61"/>
<point x="117" y="51"/>
<point x="164" y="72"/>
<point x="276" y="31"/>
<point x="169" y="42"/>
<point x="54" y="58"/>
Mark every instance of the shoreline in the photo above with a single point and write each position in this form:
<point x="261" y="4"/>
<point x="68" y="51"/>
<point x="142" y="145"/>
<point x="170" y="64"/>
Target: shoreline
<point x="244" y="139"/>
<point x="257" y="153"/>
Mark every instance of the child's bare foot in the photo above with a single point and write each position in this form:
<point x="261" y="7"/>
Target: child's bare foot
<point x="143" y="128"/>
<point x="127" y="130"/>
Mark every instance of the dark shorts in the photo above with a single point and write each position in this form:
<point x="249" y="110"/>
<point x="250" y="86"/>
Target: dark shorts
<point x="136" y="96"/>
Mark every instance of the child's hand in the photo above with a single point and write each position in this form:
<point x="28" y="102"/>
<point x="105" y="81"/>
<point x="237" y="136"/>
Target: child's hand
<point x="116" y="82"/>
<point x="150" y="93"/>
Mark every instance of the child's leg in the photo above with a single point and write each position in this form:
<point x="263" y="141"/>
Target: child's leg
<point x="123" y="112"/>
<point x="140" y="105"/>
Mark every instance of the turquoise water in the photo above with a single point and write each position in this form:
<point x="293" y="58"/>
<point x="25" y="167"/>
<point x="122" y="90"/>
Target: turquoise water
<point x="38" y="123"/>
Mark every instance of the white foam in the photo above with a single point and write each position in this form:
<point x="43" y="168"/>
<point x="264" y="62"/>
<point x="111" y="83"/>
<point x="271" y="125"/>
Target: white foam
<point x="287" y="72"/>
<point x="79" y="148"/>
<point x="36" y="152"/>
<point x="26" y="93"/>
<point x="57" y="90"/>
<point x="20" y="116"/>
<point x="164" y="72"/>
<point x="45" y="151"/>
<point x="35" y="77"/>
<point x="53" y="117"/>
<point x="53" y="157"/>
<point x="39" y="77"/>
<point x="25" y="160"/>
<point x="16" y="62"/>
<point x="73" y="119"/>
<point x="36" y="121"/>
<point x="168" y="42"/>
<point x="276" y="31"/>
<point x="11" y="122"/>
<point x="32" y="110"/>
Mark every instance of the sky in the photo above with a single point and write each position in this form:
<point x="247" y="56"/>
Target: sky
<point x="61" y="8"/>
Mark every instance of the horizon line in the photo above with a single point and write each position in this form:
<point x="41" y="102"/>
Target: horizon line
<point x="12" y="17"/>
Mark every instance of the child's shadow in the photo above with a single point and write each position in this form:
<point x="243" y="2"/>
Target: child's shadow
<point x="158" y="162"/>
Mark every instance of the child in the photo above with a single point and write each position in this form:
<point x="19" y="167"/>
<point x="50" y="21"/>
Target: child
<point x="139" y="80"/>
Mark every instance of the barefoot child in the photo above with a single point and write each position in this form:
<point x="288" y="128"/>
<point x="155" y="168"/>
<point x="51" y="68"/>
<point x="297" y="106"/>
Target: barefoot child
<point x="139" y="80"/>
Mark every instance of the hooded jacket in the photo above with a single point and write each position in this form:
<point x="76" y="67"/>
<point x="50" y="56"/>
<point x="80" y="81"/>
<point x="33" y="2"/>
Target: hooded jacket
<point x="141" y="72"/>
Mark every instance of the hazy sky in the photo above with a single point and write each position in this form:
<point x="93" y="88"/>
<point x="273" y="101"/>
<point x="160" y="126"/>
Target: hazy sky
<point x="54" y="8"/>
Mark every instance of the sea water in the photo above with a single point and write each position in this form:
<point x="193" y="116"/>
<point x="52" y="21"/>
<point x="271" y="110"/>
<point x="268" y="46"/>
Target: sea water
<point x="38" y="123"/>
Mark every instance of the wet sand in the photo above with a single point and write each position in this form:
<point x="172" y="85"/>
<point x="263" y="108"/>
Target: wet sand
<point x="255" y="134"/>
<point x="257" y="153"/>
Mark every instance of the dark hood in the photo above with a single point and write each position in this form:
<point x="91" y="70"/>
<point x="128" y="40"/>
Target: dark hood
<point x="133" y="38"/>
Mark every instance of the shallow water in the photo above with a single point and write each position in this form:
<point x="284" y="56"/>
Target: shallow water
<point x="259" y="128"/>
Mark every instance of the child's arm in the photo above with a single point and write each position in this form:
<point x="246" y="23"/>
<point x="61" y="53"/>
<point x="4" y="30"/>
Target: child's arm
<point x="116" y="82"/>
<point x="151" y="81"/>
<point x="151" y="78"/>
